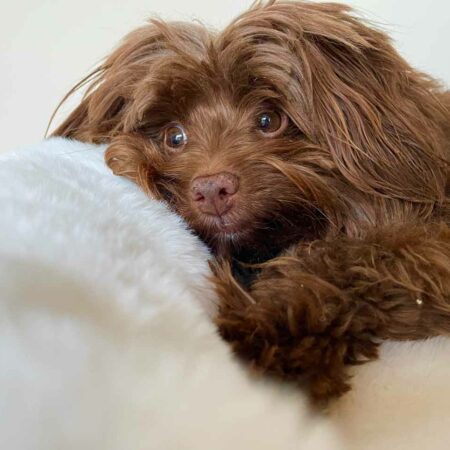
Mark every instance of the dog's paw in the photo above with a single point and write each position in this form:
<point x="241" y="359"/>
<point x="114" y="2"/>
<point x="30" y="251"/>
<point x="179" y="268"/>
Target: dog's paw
<point x="300" y="333"/>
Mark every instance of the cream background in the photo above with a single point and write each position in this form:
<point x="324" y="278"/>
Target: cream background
<point x="46" y="46"/>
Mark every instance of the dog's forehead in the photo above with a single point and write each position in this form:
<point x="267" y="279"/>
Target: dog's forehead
<point x="218" y="74"/>
<point x="218" y="80"/>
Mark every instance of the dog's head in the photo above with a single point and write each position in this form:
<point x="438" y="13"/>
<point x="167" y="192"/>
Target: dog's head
<point x="295" y="120"/>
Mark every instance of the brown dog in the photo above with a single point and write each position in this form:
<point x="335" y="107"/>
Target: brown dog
<point x="299" y="137"/>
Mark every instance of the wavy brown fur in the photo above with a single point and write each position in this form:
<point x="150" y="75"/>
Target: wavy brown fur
<point x="355" y="193"/>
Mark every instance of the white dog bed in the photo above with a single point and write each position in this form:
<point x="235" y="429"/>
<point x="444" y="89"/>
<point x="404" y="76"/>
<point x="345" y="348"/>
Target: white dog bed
<point x="106" y="340"/>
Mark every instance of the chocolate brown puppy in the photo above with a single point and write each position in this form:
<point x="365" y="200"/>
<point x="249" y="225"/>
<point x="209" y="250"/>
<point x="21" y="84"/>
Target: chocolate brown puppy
<point x="297" y="138"/>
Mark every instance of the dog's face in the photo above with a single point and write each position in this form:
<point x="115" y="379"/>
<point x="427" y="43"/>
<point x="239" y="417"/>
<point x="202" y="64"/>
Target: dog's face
<point x="273" y="131"/>
<point x="223" y="161"/>
<point x="221" y="164"/>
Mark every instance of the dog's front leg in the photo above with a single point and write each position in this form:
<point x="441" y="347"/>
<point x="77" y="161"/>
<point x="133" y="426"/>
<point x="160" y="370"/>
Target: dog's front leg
<point x="327" y="304"/>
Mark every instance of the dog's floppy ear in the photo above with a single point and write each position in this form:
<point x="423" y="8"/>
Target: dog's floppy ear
<point x="112" y="88"/>
<point x="353" y="94"/>
<point x="377" y="115"/>
<point x="119" y="93"/>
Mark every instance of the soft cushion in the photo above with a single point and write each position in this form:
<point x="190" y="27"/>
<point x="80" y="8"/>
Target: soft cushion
<point x="106" y="337"/>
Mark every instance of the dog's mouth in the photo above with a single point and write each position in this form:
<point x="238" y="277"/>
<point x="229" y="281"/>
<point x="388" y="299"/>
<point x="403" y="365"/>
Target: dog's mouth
<point x="227" y="227"/>
<point x="256" y="239"/>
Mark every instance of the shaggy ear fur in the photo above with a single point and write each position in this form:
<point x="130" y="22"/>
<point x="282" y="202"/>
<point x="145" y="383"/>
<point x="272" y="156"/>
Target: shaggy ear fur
<point x="120" y="90"/>
<point x="136" y="158"/>
<point x="351" y="92"/>
<point x="109" y="107"/>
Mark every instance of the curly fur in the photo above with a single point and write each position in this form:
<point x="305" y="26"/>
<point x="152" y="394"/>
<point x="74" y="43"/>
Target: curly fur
<point x="349" y="205"/>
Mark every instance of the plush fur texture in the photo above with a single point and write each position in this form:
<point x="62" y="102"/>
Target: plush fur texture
<point x="103" y="343"/>
<point x="347" y="199"/>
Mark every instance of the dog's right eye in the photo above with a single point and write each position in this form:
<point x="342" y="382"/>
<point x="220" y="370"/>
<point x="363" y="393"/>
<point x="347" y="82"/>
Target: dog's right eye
<point x="175" y="137"/>
<point x="271" y="123"/>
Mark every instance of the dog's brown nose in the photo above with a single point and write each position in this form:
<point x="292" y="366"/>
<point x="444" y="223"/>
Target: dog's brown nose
<point x="213" y="194"/>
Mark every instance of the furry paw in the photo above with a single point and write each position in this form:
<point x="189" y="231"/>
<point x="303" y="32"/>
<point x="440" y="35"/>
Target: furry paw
<point x="297" y="328"/>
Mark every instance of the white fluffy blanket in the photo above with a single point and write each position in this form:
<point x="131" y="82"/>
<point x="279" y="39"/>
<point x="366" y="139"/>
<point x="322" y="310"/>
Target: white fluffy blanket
<point x="106" y="340"/>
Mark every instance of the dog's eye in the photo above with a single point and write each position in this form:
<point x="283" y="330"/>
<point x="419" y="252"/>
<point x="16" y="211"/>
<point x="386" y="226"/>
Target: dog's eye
<point x="271" y="123"/>
<point x="175" y="136"/>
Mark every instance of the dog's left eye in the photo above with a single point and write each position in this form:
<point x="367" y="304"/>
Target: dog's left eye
<point x="271" y="123"/>
<point x="175" y="137"/>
